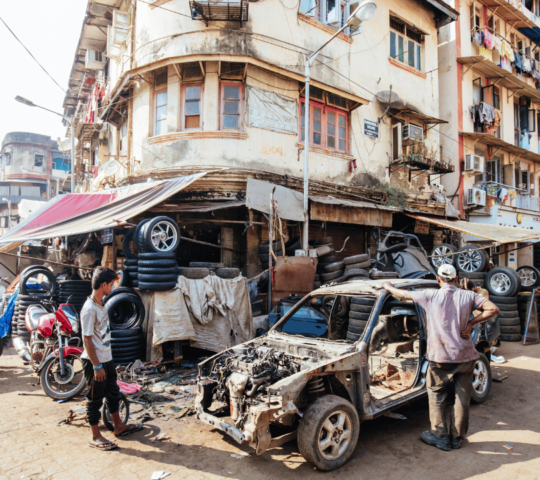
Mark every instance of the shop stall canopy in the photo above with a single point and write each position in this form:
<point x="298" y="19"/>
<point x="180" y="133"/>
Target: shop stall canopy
<point x="495" y="233"/>
<point x="77" y="213"/>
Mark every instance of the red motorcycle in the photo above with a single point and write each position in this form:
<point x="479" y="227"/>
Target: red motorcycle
<point x="58" y="364"/>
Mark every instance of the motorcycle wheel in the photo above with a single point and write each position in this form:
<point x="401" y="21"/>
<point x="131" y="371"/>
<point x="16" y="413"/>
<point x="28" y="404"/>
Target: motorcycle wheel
<point x="124" y="413"/>
<point x="35" y="358"/>
<point x="63" y="391"/>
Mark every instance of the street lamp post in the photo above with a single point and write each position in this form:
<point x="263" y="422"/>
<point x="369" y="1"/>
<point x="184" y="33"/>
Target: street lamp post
<point x="363" y="13"/>
<point x="9" y="211"/>
<point x="71" y="121"/>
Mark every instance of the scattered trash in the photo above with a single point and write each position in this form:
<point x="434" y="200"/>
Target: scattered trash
<point x="235" y="455"/>
<point x="129" y="388"/>
<point x="62" y="400"/>
<point x="496" y="359"/>
<point x="499" y="377"/>
<point x="157" y="475"/>
<point x="397" y="416"/>
<point x="508" y="447"/>
<point x="161" y="437"/>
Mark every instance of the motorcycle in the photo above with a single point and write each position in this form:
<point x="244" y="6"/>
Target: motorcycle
<point x="58" y="364"/>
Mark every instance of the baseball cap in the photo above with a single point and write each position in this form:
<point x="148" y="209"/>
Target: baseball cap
<point x="447" y="272"/>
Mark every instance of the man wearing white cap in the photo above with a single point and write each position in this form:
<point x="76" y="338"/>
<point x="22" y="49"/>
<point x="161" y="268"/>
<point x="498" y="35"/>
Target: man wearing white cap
<point x="450" y="352"/>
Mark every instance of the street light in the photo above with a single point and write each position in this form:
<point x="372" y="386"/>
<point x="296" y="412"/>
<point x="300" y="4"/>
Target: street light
<point x="9" y="211"/>
<point x="363" y="13"/>
<point x="70" y="121"/>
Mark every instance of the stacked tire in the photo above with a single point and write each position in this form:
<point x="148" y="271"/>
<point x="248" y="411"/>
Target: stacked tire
<point x="508" y="318"/>
<point x="78" y="290"/>
<point x="131" y="263"/>
<point x="359" y="313"/>
<point x="157" y="240"/>
<point x="356" y="267"/>
<point x="126" y="315"/>
<point x="264" y="253"/>
<point x="325" y="263"/>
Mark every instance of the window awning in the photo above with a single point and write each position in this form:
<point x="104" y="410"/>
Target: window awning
<point x="517" y="15"/>
<point x="495" y="233"/>
<point x="419" y="117"/>
<point x="488" y="139"/>
<point x="78" y="213"/>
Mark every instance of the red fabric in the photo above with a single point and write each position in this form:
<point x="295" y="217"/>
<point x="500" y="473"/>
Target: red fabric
<point x="128" y="388"/>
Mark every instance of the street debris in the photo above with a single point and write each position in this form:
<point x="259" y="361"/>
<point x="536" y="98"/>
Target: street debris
<point x="397" y="416"/>
<point x="498" y="377"/>
<point x="158" y="475"/>
<point x="496" y="359"/>
<point x="161" y="437"/>
<point x="508" y="447"/>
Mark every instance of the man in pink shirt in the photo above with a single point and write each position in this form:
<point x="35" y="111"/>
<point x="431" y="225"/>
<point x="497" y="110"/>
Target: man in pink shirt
<point x="450" y="352"/>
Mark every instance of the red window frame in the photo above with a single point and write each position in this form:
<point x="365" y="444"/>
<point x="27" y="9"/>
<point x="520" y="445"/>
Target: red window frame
<point x="183" y="109"/>
<point x="241" y="105"/>
<point x="156" y="93"/>
<point x="325" y="130"/>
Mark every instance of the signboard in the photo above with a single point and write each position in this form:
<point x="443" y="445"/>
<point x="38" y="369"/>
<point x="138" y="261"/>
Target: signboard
<point x="371" y="128"/>
<point x="421" y="227"/>
<point x="272" y="111"/>
<point x="106" y="236"/>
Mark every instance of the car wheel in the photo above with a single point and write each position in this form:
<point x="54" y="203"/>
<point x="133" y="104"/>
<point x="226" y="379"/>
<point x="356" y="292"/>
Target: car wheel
<point x="160" y="235"/>
<point x="470" y="259"/>
<point x="328" y="432"/>
<point x="530" y="278"/>
<point x="481" y="384"/>
<point x="443" y="249"/>
<point x="502" y="282"/>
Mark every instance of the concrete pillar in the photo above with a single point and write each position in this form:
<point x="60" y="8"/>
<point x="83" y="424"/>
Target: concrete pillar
<point x="211" y="98"/>
<point x="173" y="101"/>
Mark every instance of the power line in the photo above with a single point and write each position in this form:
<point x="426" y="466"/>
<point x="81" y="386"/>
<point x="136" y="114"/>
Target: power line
<point x="30" y="53"/>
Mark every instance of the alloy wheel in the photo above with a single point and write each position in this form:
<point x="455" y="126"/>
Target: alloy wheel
<point x="164" y="237"/>
<point x="439" y="261"/>
<point x="470" y="261"/>
<point x="335" y="435"/>
<point x="500" y="283"/>
<point x="480" y="378"/>
<point x="527" y="276"/>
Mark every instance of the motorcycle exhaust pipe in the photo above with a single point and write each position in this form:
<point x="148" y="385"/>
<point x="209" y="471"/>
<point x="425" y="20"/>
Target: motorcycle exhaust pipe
<point x="22" y="348"/>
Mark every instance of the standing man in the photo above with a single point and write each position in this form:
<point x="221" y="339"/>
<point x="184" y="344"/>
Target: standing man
<point x="450" y="352"/>
<point x="98" y="363"/>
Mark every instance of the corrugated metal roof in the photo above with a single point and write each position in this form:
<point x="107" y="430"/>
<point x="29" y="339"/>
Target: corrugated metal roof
<point x="351" y="203"/>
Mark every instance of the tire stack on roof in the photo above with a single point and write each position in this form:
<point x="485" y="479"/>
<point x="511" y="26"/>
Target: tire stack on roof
<point x="359" y="312"/>
<point x="157" y="240"/>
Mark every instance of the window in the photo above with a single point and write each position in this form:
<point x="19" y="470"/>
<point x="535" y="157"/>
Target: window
<point x="192" y="72"/>
<point x="38" y="161"/>
<point x="7" y="158"/>
<point x="122" y="139"/>
<point x="192" y="117"/>
<point x="160" y="112"/>
<point x="333" y="13"/>
<point x="232" y="106"/>
<point x="329" y="127"/>
<point x="406" y="43"/>
<point x="117" y="34"/>
<point x="493" y="172"/>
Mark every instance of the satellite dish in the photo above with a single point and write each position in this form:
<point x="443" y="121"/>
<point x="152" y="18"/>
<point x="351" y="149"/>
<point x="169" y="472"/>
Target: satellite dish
<point x="108" y="169"/>
<point x="65" y="145"/>
<point x="389" y="98"/>
<point x="99" y="10"/>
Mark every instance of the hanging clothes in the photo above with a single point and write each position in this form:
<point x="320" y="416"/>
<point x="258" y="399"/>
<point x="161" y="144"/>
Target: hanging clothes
<point x="93" y="104"/>
<point x="487" y="54"/>
<point x="497" y="118"/>
<point x="518" y="62"/>
<point x="507" y="51"/>
<point x="505" y="64"/>
<point x="496" y="53"/>
<point x="527" y="65"/>
<point x="486" y="113"/>
<point x="489" y="41"/>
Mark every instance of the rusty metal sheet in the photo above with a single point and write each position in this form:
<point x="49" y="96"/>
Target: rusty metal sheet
<point x="290" y="203"/>
<point x="293" y="276"/>
<point x="495" y="233"/>
<point x="328" y="209"/>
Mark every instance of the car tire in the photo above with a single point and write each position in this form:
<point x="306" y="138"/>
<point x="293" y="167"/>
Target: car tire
<point x="326" y="277"/>
<point x="166" y="263"/>
<point x="130" y="263"/>
<point x="475" y="261"/>
<point x="363" y="301"/>
<point x="209" y="265"/>
<point x="356" y="329"/>
<point x="503" y="300"/>
<point x="508" y="314"/>
<point x="356" y="259"/>
<point x="170" y="277"/>
<point x="512" y="329"/>
<point x="193" y="273"/>
<point x="264" y="247"/>
<point x="326" y="259"/>
<point x="442" y="249"/>
<point x="157" y="287"/>
<point x="157" y="271"/>
<point x="157" y="256"/>
<point x="503" y="282"/>
<point x="116" y="308"/>
<point x="359" y="316"/>
<point x="356" y="272"/>
<point x="357" y="266"/>
<point x="227" y="273"/>
<point x="509" y="322"/>
<point x="505" y="307"/>
<point x="168" y="245"/>
<point x="333" y="267"/>
<point x="510" y="337"/>
<point x="322" y="411"/>
<point x="128" y="237"/>
<point x="481" y="380"/>
<point x="118" y="291"/>
<point x="292" y="245"/>
<point x="361" y="308"/>
<point x="530" y="278"/>
<point x="127" y="333"/>
<point x="353" y="337"/>
<point x="358" y="323"/>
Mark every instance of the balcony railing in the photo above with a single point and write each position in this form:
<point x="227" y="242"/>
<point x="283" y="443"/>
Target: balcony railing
<point x="523" y="200"/>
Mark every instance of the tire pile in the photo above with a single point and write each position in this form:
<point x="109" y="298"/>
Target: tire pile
<point x="131" y="263"/>
<point x="78" y="290"/>
<point x="199" y="270"/>
<point x="329" y="269"/>
<point x="356" y="267"/>
<point x="277" y="247"/>
<point x="157" y="240"/>
<point x="359" y="312"/>
<point x="126" y="315"/>
<point x="508" y="318"/>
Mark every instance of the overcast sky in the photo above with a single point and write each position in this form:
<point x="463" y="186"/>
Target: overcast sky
<point x="50" y="30"/>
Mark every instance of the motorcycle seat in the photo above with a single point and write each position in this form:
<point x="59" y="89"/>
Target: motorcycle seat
<point x="33" y="314"/>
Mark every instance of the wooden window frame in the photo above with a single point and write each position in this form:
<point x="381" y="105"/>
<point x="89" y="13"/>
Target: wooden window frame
<point x="418" y="49"/>
<point x="183" y="106"/>
<point x="154" y="109"/>
<point x="42" y="160"/>
<point x="241" y="106"/>
<point x="324" y="120"/>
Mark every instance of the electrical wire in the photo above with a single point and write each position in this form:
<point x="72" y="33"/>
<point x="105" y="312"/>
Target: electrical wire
<point x="35" y="59"/>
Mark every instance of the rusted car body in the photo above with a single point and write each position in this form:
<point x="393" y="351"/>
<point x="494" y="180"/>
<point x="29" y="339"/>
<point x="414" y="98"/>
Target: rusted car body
<point x="279" y="387"/>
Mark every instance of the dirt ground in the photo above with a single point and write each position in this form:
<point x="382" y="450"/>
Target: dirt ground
<point x="32" y="446"/>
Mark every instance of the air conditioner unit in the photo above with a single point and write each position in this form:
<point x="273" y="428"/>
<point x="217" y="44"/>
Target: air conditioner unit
<point x="94" y="60"/>
<point x="412" y="133"/>
<point x="474" y="164"/>
<point x="476" y="197"/>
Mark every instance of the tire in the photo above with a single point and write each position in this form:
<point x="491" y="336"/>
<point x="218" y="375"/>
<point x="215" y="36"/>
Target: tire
<point x="316" y="285"/>
<point x="157" y="271"/>
<point x="193" y="273"/>
<point x="130" y="263"/>
<point x="292" y="245"/>
<point x="363" y="301"/>
<point x="158" y="277"/>
<point x="227" y="272"/>
<point x="127" y="333"/>
<point x="441" y="249"/>
<point x="355" y="329"/>
<point x="358" y="323"/>
<point x="124" y="413"/>
<point x="509" y="322"/>
<point x="473" y="275"/>
<point x="497" y="300"/>
<point x="356" y="259"/>
<point x="321" y="241"/>
<point x="359" y="315"/>
<point x="125" y="245"/>
<point x="116" y="309"/>
<point x="209" y="265"/>
<point x="265" y="257"/>
<point x="361" y="308"/>
<point x="510" y="314"/>
<point x="357" y="277"/>
<point x="326" y="277"/>
<point x="505" y="307"/>
<point x="523" y="297"/>
<point x="137" y="234"/>
<point x="47" y="372"/>
<point x="158" y="263"/>
<point x="333" y="267"/>
<point x="382" y="275"/>
<point x="160" y="235"/>
<point x="156" y="287"/>
<point x="512" y="329"/>
<point x="356" y="266"/>
<point x="120" y="350"/>
<point x="118" y="291"/>
<point x="502" y="282"/>
<point x="50" y="276"/>
<point x="510" y="337"/>
<point x="264" y="247"/>
<point x="128" y="341"/>
<point x="475" y="261"/>
<point x="157" y="256"/>
<point x="326" y="259"/>
<point x="355" y="272"/>
<point x="353" y="337"/>
<point x="530" y="278"/>
<point x="312" y="429"/>
<point x="481" y="380"/>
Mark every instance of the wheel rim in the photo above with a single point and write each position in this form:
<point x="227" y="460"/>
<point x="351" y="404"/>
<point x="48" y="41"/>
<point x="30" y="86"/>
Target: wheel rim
<point x="335" y="435"/>
<point x="122" y="410"/>
<point x="470" y="261"/>
<point x="480" y="377"/>
<point x="164" y="236"/>
<point x="439" y="261"/>
<point x="527" y="276"/>
<point x="500" y="283"/>
<point x="74" y="364"/>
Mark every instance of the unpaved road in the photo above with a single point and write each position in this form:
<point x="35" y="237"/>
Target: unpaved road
<point x="33" y="447"/>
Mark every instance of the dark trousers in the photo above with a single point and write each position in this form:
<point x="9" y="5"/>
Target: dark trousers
<point x="443" y="395"/>
<point x="97" y="391"/>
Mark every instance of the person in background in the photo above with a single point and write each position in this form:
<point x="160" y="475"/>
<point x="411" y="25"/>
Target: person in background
<point x="98" y="363"/>
<point x="476" y="289"/>
<point x="450" y="352"/>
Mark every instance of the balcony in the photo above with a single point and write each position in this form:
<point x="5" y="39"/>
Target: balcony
<point x="513" y="12"/>
<point x="219" y="11"/>
<point x="498" y="144"/>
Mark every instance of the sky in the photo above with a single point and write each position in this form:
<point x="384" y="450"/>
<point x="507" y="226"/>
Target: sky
<point x="50" y="30"/>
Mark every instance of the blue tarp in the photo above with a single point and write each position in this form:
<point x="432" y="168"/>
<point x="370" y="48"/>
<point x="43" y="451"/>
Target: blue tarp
<point x="532" y="33"/>
<point x="5" y="319"/>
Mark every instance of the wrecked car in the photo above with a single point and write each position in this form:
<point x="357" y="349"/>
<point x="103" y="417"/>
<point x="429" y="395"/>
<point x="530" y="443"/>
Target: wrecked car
<point x="285" y="386"/>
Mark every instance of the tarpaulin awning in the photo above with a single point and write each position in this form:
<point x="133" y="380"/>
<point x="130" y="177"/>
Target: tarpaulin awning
<point x="78" y="213"/>
<point x="495" y="233"/>
<point x="198" y="207"/>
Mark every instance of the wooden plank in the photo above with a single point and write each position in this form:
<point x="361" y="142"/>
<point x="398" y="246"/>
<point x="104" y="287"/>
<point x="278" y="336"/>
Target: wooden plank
<point x="227" y="241"/>
<point x="357" y="216"/>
